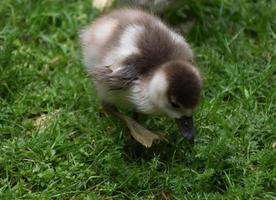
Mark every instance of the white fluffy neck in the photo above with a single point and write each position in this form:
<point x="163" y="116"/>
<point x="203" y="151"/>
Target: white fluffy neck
<point x="148" y="97"/>
<point x="158" y="91"/>
<point x="158" y="88"/>
<point x="151" y="97"/>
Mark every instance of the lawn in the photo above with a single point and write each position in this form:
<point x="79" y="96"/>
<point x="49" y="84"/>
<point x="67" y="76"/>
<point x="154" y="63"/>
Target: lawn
<point x="56" y="143"/>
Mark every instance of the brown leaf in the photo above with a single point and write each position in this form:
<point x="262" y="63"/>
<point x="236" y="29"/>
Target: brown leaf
<point x="165" y="195"/>
<point x="44" y="120"/>
<point x="101" y="4"/>
<point x="274" y="145"/>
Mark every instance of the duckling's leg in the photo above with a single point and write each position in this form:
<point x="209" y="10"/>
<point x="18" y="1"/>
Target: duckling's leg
<point x="138" y="132"/>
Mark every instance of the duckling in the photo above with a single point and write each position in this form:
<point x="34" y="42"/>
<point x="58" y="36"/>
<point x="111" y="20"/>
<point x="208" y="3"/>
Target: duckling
<point x="137" y="61"/>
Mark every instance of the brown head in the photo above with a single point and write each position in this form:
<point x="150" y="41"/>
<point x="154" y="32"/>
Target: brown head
<point x="175" y="89"/>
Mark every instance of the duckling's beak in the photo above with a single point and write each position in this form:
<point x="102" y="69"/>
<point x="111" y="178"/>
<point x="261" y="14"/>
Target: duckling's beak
<point x="187" y="129"/>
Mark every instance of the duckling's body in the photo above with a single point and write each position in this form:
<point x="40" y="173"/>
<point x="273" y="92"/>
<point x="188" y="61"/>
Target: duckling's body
<point x="135" y="60"/>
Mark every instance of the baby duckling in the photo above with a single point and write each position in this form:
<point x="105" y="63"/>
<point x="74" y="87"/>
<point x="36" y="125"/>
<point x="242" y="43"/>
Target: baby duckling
<point x="136" y="60"/>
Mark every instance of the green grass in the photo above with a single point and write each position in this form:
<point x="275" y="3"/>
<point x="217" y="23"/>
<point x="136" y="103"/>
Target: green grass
<point x="77" y="153"/>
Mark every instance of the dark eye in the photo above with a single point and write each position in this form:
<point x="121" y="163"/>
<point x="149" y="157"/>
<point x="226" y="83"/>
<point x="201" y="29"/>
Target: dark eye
<point x="175" y="105"/>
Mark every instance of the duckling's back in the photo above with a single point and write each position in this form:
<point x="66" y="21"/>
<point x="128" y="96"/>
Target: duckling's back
<point x="132" y="37"/>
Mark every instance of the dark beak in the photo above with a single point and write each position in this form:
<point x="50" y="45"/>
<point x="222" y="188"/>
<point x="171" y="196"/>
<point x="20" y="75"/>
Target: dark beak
<point x="187" y="129"/>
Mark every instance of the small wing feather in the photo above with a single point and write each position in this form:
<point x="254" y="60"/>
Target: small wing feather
<point x="118" y="79"/>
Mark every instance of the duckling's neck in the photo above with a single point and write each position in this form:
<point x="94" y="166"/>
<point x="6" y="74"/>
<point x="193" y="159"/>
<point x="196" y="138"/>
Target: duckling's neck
<point x="140" y="97"/>
<point x="148" y="95"/>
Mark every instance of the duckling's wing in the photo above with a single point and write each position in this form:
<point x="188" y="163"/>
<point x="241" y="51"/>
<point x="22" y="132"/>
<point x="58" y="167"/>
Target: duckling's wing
<point x="120" y="78"/>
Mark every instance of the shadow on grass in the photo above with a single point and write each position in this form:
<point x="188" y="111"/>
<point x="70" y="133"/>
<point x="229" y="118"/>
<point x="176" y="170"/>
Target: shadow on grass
<point x="176" y="150"/>
<point x="166" y="151"/>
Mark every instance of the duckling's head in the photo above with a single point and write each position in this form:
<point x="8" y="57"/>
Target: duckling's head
<point x="175" y="91"/>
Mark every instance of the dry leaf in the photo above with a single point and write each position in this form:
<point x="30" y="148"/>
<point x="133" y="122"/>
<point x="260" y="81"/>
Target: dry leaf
<point x="274" y="145"/>
<point x="101" y="4"/>
<point x="44" y="120"/>
<point x="40" y="120"/>
<point x="165" y="195"/>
